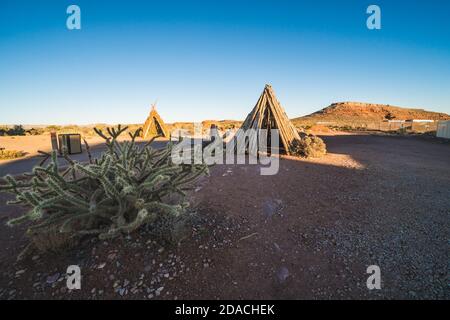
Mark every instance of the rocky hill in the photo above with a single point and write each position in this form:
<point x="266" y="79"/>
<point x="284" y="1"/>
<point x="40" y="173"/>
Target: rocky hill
<point x="350" y="112"/>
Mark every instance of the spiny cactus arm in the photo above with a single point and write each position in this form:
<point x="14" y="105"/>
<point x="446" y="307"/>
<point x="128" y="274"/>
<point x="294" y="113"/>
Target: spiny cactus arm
<point x="109" y="188"/>
<point x="146" y="146"/>
<point x="37" y="182"/>
<point x="90" y="232"/>
<point x="142" y="217"/>
<point x="145" y="158"/>
<point x="109" y="141"/>
<point x="46" y="172"/>
<point x="154" y="182"/>
<point x="75" y="200"/>
<point x="161" y="157"/>
<point x="135" y="157"/>
<point x="18" y="220"/>
<point x="50" y="222"/>
<point x="164" y="208"/>
<point x="94" y="199"/>
<point x="121" y="171"/>
<point x="171" y="189"/>
<point x="135" y="134"/>
<point x="101" y="134"/>
<point x="114" y="135"/>
<point x="55" y="162"/>
<point x="88" y="150"/>
<point x="132" y="149"/>
<point x="67" y="225"/>
<point x="106" y="165"/>
<point x="14" y="202"/>
<point x="66" y="172"/>
<point x="32" y="198"/>
<point x="191" y="177"/>
<point x="132" y="162"/>
<point x="45" y="156"/>
<point x="13" y="184"/>
<point x="60" y="181"/>
<point x="91" y="171"/>
<point x="123" y="154"/>
<point x="36" y="213"/>
<point x="184" y="173"/>
<point x="146" y="172"/>
<point x="164" y="171"/>
<point x="125" y="186"/>
<point x="70" y="162"/>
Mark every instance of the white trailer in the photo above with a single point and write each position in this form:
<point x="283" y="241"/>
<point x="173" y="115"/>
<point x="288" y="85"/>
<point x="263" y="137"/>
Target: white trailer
<point x="443" y="129"/>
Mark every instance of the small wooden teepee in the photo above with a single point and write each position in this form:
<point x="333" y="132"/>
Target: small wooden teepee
<point x="154" y="125"/>
<point x="269" y="114"/>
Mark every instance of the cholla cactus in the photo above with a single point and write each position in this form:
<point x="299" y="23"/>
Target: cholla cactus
<point x="117" y="193"/>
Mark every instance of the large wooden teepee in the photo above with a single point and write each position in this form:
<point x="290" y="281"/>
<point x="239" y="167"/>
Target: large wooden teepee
<point x="269" y="114"/>
<point x="154" y="125"/>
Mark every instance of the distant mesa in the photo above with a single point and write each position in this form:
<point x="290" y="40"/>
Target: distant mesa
<point x="367" y="112"/>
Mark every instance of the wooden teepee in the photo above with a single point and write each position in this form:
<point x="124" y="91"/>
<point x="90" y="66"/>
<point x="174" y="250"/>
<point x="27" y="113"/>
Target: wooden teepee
<point x="269" y="114"/>
<point x="154" y="125"/>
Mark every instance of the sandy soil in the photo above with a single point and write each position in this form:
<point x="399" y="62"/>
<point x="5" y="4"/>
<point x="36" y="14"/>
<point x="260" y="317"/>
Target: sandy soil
<point x="308" y="232"/>
<point x="32" y="144"/>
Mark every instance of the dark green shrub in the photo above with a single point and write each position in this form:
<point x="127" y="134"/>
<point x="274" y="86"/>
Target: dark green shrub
<point x="34" y="132"/>
<point x="16" y="131"/>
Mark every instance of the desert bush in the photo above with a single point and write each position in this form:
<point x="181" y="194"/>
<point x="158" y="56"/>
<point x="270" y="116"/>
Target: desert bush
<point x="10" y="154"/>
<point x="35" y="131"/>
<point x="17" y="130"/>
<point x="309" y="146"/>
<point x="126" y="187"/>
<point x="52" y="128"/>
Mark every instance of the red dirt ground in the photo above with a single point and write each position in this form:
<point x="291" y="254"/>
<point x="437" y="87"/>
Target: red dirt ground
<point x="308" y="232"/>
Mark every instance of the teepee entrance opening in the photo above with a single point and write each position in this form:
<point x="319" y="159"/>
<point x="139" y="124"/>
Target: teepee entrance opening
<point x="159" y="130"/>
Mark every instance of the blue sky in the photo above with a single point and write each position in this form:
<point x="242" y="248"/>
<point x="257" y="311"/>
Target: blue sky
<point x="211" y="59"/>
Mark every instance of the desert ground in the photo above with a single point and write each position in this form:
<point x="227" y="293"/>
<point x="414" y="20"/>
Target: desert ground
<point x="308" y="232"/>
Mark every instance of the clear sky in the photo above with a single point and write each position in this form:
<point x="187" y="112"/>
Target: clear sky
<point x="211" y="59"/>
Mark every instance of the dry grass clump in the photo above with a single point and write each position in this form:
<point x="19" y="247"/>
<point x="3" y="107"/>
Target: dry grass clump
<point x="309" y="146"/>
<point x="320" y="128"/>
<point x="11" y="154"/>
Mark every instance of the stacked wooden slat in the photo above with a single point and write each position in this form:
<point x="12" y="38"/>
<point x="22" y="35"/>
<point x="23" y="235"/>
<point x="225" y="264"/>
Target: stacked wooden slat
<point x="269" y="114"/>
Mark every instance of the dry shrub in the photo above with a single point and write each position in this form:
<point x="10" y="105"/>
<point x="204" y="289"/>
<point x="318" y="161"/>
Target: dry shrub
<point x="11" y="154"/>
<point x="309" y="146"/>
<point x="320" y="128"/>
